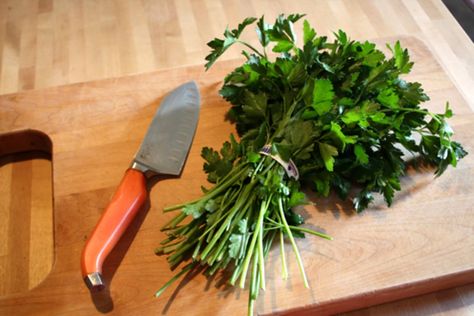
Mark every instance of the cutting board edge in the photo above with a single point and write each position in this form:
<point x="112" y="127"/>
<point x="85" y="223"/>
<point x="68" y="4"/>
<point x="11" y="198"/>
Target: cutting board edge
<point x="384" y="295"/>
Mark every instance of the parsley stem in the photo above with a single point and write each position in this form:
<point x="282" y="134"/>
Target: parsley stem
<point x="293" y="243"/>
<point x="174" y="278"/>
<point x="164" y="250"/>
<point x="219" y="188"/>
<point x="161" y="248"/>
<point x="196" y="249"/>
<point x="250" y="251"/>
<point x="261" y="261"/>
<point x="420" y="111"/>
<point x="251" y="47"/>
<point x="310" y="231"/>
<point x="237" y="206"/>
<point x="250" y="306"/>
<point x="175" y="221"/>
<point x="180" y="251"/>
<point x="284" y="269"/>
<point x="254" y="278"/>
<point x="301" y="229"/>
<point x="169" y="239"/>
<point x="259" y="167"/>
<point x="225" y="215"/>
<point x="235" y="274"/>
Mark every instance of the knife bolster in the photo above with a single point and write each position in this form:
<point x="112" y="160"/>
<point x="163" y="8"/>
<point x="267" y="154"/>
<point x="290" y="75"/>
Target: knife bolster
<point x="140" y="167"/>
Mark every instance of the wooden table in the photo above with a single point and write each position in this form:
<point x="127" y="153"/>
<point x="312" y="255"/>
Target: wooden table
<point x="49" y="43"/>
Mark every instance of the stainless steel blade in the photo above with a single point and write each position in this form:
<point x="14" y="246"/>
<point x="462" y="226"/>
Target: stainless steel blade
<point x="167" y="141"/>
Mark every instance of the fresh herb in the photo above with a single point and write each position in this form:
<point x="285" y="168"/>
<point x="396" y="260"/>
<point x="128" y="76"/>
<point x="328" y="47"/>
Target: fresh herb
<point x="337" y="110"/>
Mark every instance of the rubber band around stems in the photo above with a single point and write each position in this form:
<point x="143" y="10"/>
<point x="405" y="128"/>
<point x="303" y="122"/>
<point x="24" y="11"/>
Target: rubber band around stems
<point x="288" y="166"/>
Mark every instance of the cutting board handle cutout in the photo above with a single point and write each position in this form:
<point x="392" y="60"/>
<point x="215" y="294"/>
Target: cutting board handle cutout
<point x="23" y="141"/>
<point x="26" y="228"/>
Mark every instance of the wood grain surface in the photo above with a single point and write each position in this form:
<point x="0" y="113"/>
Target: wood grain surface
<point x="46" y="43"/>
<point x="423" y="243"/>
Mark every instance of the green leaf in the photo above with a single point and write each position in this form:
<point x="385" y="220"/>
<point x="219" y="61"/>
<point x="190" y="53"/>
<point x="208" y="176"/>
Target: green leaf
<point x="237" y="240"/>
<point x="323" y="186"/>
<point x="346" y="101"/>
<point x="380" y="118"/>
<point x="219" y="46"/>
<point x="370" y="56"/>
<point x="361" y="155"/>
<point x="227" y="152"/>
<point x="228" y="41"/>
<point x="295" y="17"/>
<point x="296" y="198"/>
<point x="448" y="112"/>
<point x="235" y="245"/>
<point x="341" y="36"/>
<point x="309" y="114"/>
<point x="362" y="200"/>
<point x="373" y="59"/>
<point x="253" y="157"/>
<point x="242" y="26"/>
<point x="283" y="46"/>
<point x="255" y="105"/>
<point x="282" y="32"/>
<point x="284" y="150"/>
<point x="236" y="148"/>
<point x="299" y="134"/>
<point x="388" y="194"/>
<point x="293" y="218"/>
<point x="446" y="128"/>
<point x="195" y="210"/>
<point x="327" y="153"/>
<point x="211" y="206"/>
<point x="324" y="65"/>
<point x="297" y="75"/>
<point x="323" y="96"/>
<point x="217" y="166"/>
<point x="262" y="28"/>
<point x="340" y="137"/>
<point x="433" y="126"/>
<point x="350" y="82"/>
<point x="352" y="116"/>
<point x="402" y="59"/>
<point x="389" y="98"/>
<point x="308" y="32"/>
<point x="341" y="185"/>
<point x="242" y="225"/>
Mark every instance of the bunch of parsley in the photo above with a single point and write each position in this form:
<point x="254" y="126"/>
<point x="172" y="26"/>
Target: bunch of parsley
<point x="338" y="110"/>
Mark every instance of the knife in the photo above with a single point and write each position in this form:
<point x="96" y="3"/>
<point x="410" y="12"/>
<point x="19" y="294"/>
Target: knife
<point x="163" y="151"/>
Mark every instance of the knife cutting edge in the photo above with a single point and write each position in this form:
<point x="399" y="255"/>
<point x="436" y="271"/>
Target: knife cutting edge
<point x="163" y="151"/>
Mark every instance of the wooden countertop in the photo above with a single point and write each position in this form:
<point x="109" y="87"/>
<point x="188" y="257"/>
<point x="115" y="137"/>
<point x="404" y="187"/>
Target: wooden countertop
<point x="48" y="43"/>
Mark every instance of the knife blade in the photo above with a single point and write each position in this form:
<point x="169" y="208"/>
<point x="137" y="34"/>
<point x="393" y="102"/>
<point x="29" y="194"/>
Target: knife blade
<point x="163" y="151"/>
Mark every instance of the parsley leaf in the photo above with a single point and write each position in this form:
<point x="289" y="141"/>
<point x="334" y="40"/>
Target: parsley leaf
<point x="323" y="96"/>
<point x="219" y="46"/>
<point x="402" y="59"/>
<point x="328" y="152"/>
<point x="361" y="154"/>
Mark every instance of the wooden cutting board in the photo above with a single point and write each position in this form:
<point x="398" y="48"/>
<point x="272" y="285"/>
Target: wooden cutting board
<point x="423" y="243"/>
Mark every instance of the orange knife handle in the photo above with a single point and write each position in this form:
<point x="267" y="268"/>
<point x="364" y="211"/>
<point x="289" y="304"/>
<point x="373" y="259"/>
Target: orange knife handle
<point x="126" y="202"/>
